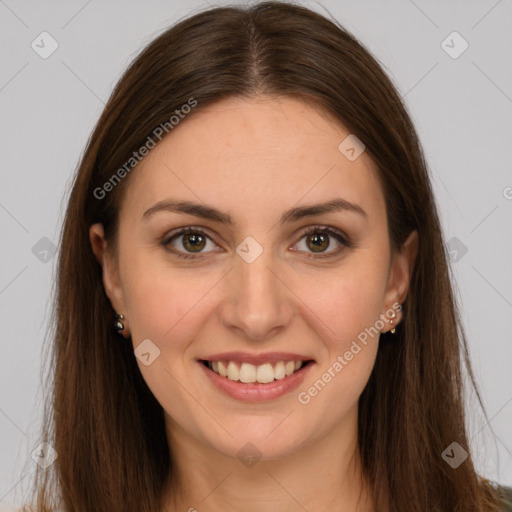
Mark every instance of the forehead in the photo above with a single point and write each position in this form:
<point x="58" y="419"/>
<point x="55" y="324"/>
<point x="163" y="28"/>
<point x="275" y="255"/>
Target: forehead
<point x="259" y="155"/>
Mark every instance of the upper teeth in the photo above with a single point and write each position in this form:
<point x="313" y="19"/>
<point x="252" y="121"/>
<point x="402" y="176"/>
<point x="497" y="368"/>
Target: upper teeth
<point x="246" y="372"/>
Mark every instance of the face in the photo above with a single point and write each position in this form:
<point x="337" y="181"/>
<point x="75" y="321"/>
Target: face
<point x="258" y="279"/>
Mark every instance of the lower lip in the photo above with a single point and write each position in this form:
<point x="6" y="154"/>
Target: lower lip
<point x="257" y="392"/>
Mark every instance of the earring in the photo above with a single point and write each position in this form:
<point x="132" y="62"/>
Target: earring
<point x="393" y="330"/>
<point x="118" y="324"/>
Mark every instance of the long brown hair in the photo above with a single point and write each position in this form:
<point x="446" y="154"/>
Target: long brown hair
<point x="102" y="419"/>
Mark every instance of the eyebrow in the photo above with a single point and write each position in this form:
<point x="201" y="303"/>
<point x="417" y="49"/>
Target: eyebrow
<point x="291" y="215"/>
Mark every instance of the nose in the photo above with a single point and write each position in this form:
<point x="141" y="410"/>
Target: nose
<point x="257" y="304"/>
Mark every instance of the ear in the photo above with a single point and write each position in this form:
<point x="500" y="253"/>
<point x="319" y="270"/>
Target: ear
<point x="110" y="275"/>
<point x="400" y="273"/>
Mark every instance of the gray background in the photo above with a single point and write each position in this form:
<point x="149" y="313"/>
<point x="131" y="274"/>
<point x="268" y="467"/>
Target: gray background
<point x="462" y="108"/>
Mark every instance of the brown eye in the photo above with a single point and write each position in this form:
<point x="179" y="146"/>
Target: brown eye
<point x="193" y="242"/>
<point x="188" y="243"/>
<point x="318" y="242"/>
<point x="317" y="239"/>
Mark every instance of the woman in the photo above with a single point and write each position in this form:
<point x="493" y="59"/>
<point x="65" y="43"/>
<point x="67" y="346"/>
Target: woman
<point x="254" y="305"/>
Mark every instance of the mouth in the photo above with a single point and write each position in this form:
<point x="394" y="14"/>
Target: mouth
<point x="248" y="373"/>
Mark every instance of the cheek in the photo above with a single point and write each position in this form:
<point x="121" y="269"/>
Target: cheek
<point x="162" y="299"/>
<point x="347" y="311"/>
<point x="167" y="306"/>
<point x="346" y="301"/>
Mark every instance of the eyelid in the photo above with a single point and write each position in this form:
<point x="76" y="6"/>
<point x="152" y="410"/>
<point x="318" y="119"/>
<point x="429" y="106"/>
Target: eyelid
<point x="168" y="238"/>
<point x="340" y="236"/>
<point x="336" y="233"/>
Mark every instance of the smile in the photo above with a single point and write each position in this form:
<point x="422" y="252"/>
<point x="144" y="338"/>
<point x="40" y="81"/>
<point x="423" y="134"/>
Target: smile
<point x="265" y="378"/>
<point x="249" y="373"/>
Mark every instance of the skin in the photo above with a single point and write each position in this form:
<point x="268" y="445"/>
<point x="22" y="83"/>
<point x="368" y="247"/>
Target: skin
<point x="254" y="159"/>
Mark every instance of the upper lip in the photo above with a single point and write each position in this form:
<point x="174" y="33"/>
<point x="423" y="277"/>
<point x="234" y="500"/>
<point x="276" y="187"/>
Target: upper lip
<point x="257" y="359"/>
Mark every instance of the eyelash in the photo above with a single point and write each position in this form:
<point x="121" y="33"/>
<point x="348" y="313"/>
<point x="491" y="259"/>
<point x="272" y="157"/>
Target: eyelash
<point x="326" y="230"/>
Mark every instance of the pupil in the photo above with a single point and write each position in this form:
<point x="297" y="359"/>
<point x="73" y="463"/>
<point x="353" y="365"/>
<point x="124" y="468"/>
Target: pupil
<point x="317" y="240"/>
<point x="194" y="240"/>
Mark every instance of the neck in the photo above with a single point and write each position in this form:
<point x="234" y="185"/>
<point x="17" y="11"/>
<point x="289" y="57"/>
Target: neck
<point x="321" y="476"/>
